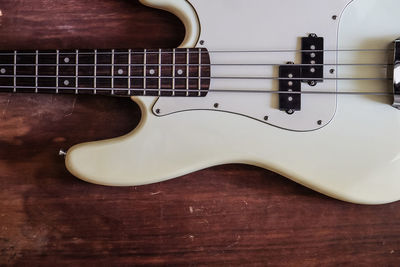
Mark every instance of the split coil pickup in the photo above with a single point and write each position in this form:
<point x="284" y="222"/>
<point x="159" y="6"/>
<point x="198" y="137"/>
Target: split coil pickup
<point x="290" y="102"/>
<point x="312" y="54"/>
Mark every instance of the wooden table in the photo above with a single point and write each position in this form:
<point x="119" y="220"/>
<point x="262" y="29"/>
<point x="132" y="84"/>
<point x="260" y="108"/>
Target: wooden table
<point x="227" y="215"/>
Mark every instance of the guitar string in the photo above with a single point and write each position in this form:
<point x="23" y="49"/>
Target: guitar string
<point x="200" y="51"/>
<point x="210" y="64"/>
<point x="196" y="91"/>
<point x="203" y="78"/>
<point x="183" y="77"/>
<point x="197" y="51"/>
<point x="198" y="65"/>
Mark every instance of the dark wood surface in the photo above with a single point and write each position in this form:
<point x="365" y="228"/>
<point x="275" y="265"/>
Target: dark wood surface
<point x="227" y="215"/>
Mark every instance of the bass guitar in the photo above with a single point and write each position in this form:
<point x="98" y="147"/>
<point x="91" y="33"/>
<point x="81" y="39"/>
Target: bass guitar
<point x="309" y="89"/>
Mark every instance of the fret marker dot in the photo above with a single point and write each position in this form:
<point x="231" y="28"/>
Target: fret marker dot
<point x="3" y="70"/>
<point x="180" y="72"/>
<point x="152" y="72"/>
<point x="66" y="82"/>
<point x="66" y="60"/>
<point x="120" y="71"/>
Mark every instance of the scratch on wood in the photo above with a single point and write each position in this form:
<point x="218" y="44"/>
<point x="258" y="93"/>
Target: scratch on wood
<point x="204" y="221"/>
<point x="155" y="193"/>
<point x="73" y="108"/>
<point x="191" y="209"/>
<point x="234" y="243"/>
<point x="6" y="107"/>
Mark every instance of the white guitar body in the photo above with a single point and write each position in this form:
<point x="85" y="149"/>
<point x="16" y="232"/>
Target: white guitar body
<point x="353" y="155"/>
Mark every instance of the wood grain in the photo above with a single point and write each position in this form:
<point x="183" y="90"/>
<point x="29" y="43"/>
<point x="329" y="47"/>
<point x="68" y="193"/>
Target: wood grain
<point x="227" y="215"/>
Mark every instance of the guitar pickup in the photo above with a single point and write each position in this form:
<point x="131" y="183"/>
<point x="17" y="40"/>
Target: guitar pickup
<point x="311" y="71"/>
<point x="290" y="81"/>
<point x="312" y="54"/>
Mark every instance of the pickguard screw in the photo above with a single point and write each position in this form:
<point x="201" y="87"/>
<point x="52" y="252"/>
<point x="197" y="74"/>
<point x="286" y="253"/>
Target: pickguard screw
<point x="62" y="153"/>
<point x="334" y="17"/>
<point x="290" y="111"/>
<point x="216" y="105"/>
<point x="319" y="122"/>
<point x="312" y="83"/>
<point x="332" y="71"/>
<point x="266" y="118"/>
<point x="202" y="42"/>
<point x="158" y="111"/>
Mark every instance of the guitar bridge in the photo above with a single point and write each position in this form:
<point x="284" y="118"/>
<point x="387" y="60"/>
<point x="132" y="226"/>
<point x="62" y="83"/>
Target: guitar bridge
<point x="396" y="74"/>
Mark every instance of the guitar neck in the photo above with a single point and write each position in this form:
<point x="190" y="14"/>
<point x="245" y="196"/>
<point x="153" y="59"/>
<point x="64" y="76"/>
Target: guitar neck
<point x="148" y="72"/>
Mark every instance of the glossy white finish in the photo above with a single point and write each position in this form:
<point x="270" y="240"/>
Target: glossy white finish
<point x="355" y="158"/>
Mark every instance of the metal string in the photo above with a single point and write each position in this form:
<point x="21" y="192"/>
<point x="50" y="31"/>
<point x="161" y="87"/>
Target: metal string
<point x="202" y="78"/>
<point x="197" y="65"/>
<point x="199" y="50"/>
<point x="206" y="90"/>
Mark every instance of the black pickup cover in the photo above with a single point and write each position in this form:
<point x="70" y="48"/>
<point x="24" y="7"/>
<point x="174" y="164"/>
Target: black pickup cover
<point x="289" y="102"/>
<point x="311" y="71"/>
<point x="312" y="53"/>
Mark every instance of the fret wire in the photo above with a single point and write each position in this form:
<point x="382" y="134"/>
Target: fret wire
<point x="173" y="71"/>
<point x="159" y="72"/>
<point x="57" y="70"/>
<point x="79" y="78"/>
<point x="200" y="55"/>
<point x="112" y="70"/>
<point x="76" y="70"/>
<point x="95" y="72"/>
<point x="187" y="71"/>
<point x="129" y="70"/>
<point x="15" y="71"/>
<point x="36" y="70"/>
<point x="144" y="71"/>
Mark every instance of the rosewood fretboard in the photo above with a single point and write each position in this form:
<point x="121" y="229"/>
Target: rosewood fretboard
<point x="153" y="72"/>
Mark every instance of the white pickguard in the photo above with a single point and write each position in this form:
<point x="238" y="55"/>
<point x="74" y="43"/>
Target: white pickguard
<point x="240" y="28"/>
<point x="356" y="157"/>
